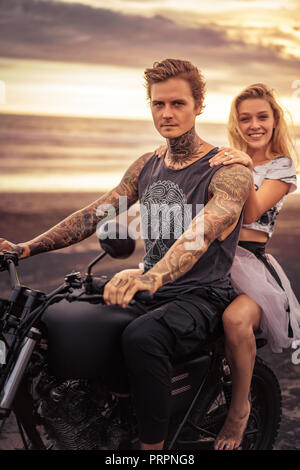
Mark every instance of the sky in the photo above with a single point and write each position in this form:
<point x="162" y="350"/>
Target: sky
<point x="86" y="57"/>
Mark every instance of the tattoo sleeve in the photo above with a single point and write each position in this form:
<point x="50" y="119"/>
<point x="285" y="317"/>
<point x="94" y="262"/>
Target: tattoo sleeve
<point x="229" y="189"/>
<point x="83" y="223"/>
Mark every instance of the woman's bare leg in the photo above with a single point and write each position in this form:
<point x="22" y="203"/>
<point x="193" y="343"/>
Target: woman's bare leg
<point x="240" y="320"/>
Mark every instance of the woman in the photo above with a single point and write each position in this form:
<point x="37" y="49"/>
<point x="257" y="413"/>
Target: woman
<point x="266" y="304"/>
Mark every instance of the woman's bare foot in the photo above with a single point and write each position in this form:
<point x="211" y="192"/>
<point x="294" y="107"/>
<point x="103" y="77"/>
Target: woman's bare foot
<point x="231" y="434"/>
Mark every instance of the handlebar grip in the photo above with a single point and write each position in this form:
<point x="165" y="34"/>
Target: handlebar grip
<point x="98" y="284"/>
<point x="6" y="257"/>
<point x="143" y="296"/>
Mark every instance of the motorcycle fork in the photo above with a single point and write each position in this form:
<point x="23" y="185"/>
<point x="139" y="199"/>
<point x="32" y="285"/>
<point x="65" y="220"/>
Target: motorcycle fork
<point x="23" y="407"/>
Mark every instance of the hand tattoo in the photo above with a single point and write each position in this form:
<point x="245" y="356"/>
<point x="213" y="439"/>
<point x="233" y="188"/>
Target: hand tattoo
<point x="119" y="282"/>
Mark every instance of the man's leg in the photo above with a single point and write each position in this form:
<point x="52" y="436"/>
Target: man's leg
<point x="150" y="343"/>
<point x="147" y="346"/>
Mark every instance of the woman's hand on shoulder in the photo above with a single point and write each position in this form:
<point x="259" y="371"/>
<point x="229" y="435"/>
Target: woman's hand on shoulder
<point x="160" y="151"/>
<point x="228" y="156"/>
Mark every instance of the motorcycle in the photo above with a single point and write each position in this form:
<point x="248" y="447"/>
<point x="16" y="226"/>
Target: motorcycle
<point x="57" y="407"/>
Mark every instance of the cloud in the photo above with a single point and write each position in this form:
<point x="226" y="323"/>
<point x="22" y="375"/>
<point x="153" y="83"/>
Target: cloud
<point x="48" y="30"/>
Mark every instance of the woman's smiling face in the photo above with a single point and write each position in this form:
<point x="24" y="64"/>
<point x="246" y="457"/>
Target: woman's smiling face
<point x="256" y="122"/>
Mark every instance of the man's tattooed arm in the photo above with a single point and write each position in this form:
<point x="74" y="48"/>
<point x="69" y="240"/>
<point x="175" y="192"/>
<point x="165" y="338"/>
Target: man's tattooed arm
<point x="83" y="223"/>
<point x="229" y="189"/>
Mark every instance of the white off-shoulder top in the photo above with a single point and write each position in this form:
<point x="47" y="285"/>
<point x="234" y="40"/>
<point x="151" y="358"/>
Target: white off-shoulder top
<point x="280" y="168"/>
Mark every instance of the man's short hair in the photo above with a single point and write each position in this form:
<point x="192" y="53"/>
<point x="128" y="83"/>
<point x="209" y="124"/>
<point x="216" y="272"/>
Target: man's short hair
<point x="171" y="68"/>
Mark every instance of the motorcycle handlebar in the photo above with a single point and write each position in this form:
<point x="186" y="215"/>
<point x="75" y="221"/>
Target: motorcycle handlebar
<point x="98" y="288"/>
<point x="97" y="285"/>
<point x="5" y="257"/>
<point x="143" y="296"/>
<point x="8" y="262"/>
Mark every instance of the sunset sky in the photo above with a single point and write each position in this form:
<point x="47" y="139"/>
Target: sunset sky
<point x="86" y="57"/>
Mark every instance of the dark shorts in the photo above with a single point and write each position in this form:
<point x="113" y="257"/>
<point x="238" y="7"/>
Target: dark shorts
<point x="194" y="320"/>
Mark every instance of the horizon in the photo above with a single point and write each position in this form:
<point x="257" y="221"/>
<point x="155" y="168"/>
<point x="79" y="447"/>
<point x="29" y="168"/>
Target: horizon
<point x="83" y="154"/>
<point x="108" y="118"/>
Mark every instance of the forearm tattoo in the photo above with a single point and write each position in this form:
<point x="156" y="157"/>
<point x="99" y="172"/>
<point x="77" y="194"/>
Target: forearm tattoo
<point x="183" y="149"/>
<point x="229" y="189"/>
<point x="83" y="223"/>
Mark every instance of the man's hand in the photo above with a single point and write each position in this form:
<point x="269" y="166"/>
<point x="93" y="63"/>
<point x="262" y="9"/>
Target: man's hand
<point x="21" y="249"/>
<point x="124" y="285"/>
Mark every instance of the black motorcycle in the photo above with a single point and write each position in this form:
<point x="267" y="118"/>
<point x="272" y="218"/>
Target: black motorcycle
<point x="57" y="407"/>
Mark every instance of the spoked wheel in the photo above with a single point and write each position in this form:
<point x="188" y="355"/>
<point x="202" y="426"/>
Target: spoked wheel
<point x="204" y="425"/>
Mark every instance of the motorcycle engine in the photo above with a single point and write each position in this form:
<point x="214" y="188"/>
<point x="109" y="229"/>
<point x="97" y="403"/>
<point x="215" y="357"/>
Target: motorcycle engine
<point x="80" y="415"/>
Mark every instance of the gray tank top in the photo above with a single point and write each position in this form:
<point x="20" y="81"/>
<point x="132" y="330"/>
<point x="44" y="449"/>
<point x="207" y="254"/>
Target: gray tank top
<point x="169" y="200"/>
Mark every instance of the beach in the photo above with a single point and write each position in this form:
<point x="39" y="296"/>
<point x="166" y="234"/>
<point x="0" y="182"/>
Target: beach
<point x="25" y="215"/>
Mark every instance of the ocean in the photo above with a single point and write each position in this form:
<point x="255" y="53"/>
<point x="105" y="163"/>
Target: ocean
<point x="68" y="154"/>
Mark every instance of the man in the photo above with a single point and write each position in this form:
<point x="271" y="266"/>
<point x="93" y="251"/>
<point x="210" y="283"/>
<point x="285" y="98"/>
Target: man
<point x="189" y="279"/>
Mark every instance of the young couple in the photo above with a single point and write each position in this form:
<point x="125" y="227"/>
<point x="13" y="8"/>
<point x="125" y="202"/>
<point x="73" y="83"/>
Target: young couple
<point x="242" y="189"/>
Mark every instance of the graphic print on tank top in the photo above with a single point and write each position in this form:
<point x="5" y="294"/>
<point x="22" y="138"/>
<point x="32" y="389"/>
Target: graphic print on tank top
<point x="165" y="214"/>
<point x="176" y="197"/>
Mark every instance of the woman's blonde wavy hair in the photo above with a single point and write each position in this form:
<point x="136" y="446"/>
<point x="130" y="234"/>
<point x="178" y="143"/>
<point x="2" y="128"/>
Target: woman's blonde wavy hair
<point x="281" y="142"/>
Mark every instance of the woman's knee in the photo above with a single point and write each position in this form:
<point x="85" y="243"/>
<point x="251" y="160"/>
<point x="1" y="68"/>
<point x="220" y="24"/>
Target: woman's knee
<point x="242" y="316"/>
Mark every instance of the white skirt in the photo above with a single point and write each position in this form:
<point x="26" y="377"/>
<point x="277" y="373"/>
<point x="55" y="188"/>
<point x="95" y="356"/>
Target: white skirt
<point x="250" y="276"/>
